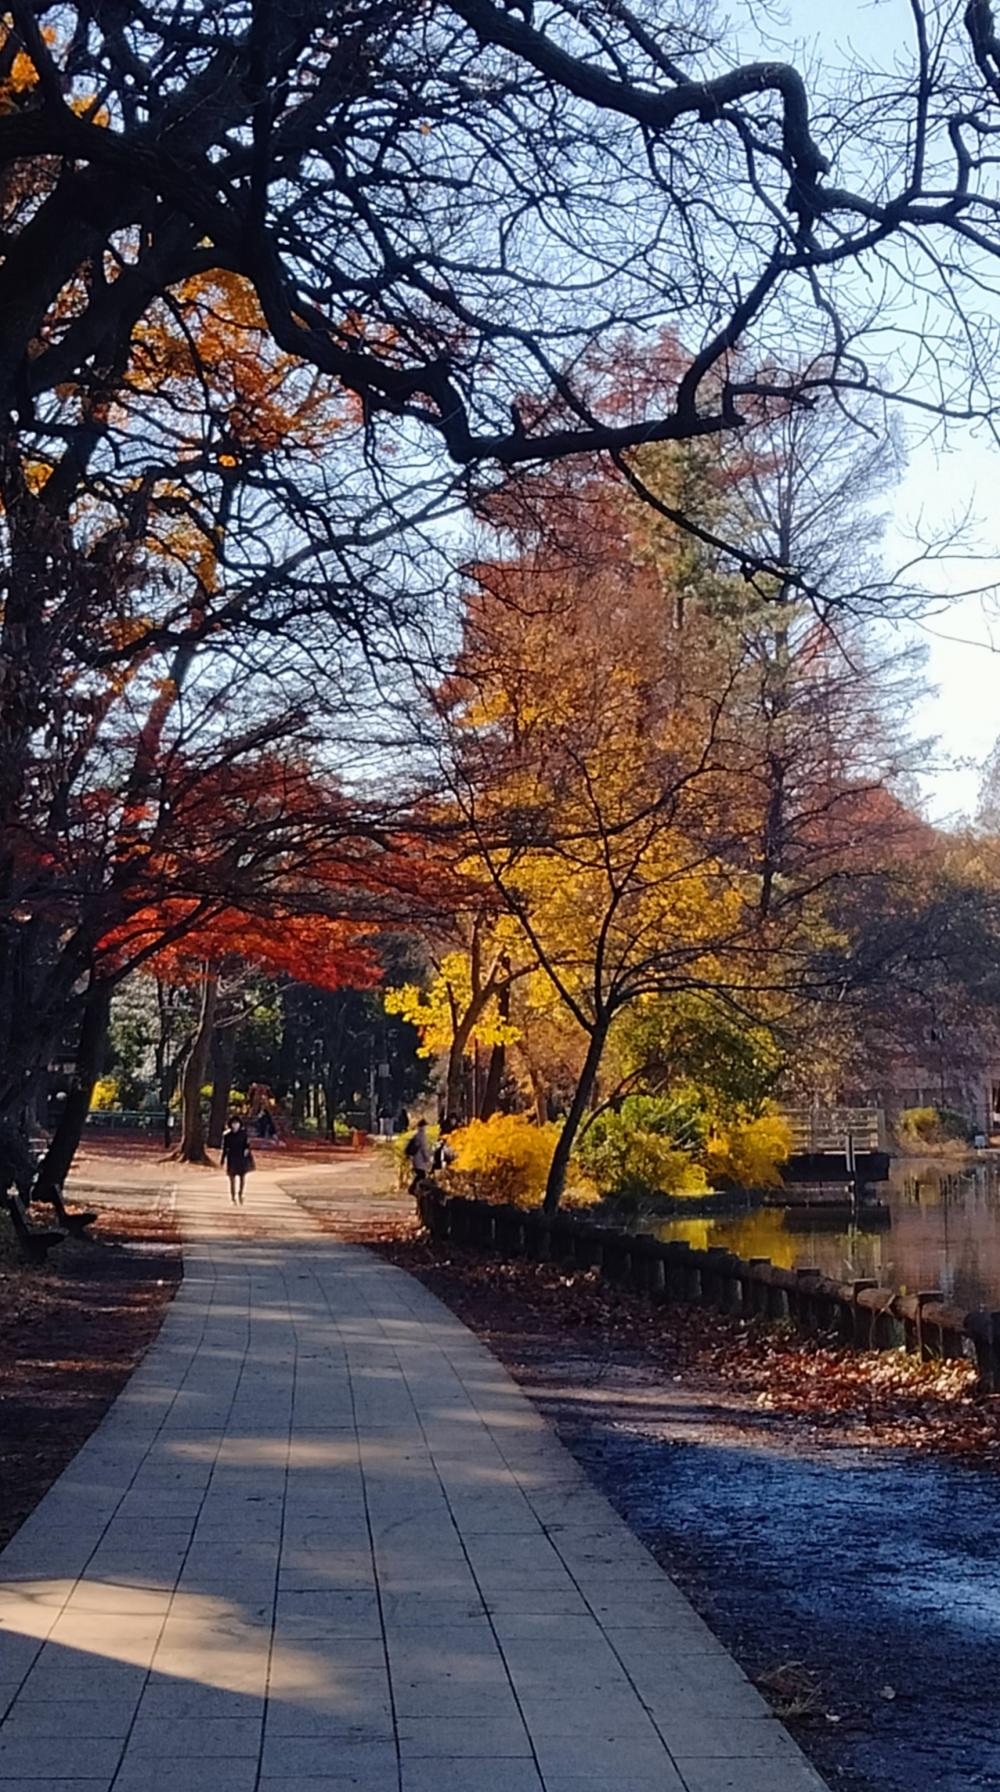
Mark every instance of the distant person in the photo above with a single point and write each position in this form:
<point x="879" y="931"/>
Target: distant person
<point x="420" y="1153"/>
<point x="237" y="1157"/>
<point x="402" y="1121"/>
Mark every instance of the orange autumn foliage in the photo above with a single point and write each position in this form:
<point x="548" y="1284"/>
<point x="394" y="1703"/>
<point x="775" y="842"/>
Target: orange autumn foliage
<point x="314" y="949"/>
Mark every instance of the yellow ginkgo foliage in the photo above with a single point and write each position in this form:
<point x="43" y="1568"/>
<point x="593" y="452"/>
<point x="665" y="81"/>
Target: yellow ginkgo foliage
<point x="505" y="1158"/>
<point x="434" y="1011"/>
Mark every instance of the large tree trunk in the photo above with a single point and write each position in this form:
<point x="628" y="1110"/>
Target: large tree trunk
<point x="191" y="1149"/>
<point x="223" y="1058"/>
<point x="90" y="1054"/>
<point x="578" y="1107"/>
<point x="454" y="1105"/>
<point x="491" y="1087"/>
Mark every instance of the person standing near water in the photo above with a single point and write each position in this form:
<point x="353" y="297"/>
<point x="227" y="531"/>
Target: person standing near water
<point x="237" y="1157"/>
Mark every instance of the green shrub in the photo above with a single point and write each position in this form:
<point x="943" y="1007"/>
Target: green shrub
<point x="647" y="1146"/>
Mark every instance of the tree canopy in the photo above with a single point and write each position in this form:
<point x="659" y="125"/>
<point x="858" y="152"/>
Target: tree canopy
<point x="291" y="305"/>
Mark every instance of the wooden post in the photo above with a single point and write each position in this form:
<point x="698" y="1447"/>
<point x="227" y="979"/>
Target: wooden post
<point x="724" y="1284"/>
<point x="861" y="1319"/>
<point x="925" y="1347"/>
<point x="693" y="1284"/>
<point x="657" y="1271"/>
<point x="754" y="1287"/>
<point x="805" y="1305"/>
<point x="460" y="1219"/>
<point x="590" y="1247"/>
<point x="510" y="1230"/>
<point x="617" y="1266"/>
<point x="641" y="1254"/>
<point x="984" y="1330"/>
<point x="676" y="1254"/>
<point x="780" y="1288"/>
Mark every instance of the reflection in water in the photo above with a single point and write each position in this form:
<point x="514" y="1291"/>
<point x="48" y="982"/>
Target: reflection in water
<point x="944" y="1233"/>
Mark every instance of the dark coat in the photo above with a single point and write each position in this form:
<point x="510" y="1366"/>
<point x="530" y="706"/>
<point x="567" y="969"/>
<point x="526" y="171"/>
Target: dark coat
<point x="236" y="1151"/>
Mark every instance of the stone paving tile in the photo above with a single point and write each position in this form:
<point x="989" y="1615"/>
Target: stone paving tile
<point x="314" y="1755"/>
<point x="10" y="1784"/>
<point x="741" y="1775"/>
<point x="420" y="1609"/>
<point x="341" y="1657"/>
<point x="537" y="1602"/>
<point x="674" y="1689"/>
<point x="627" y="1758"/>
<point x="143" y="1774"/>
<point x="472" y="1775"/>
<point x="553" y="1628"/>
<point x="453" y="1738"/>
<point x="427" y="1697"/>
<point x="70" y="1717"/>
<point x="330" y="1720"/>
<point x="714" y="1738"/>
<point x="663" y="1779"/>
<point x="181" y="1701"/>
<point x="553" y="1717"/>
<point x="386" y="1780"/>
<point x="53" y="1677"/>
<point x="209" y="1737"/>
<point x="415" y="1580"/>
<point x="58" y="1757"/>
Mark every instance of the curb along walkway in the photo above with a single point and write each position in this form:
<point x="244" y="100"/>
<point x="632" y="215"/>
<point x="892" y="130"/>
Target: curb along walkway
<point x="323" y="1542"/>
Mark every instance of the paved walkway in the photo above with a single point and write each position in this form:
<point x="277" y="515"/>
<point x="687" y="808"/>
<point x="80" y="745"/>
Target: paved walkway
<point x="323" y="1542"/>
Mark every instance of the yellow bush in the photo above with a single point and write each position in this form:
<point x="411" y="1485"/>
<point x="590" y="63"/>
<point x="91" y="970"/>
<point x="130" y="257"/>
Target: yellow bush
<point x="655" y="1165"/>
<point x="506" y="1158"/>
<point x="105" y="1094"/>
<point x="749" y="1152"/>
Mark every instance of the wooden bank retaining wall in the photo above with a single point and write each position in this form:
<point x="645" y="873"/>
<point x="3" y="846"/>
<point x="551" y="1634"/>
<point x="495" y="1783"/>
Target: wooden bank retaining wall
<point x="860" y="1312"/>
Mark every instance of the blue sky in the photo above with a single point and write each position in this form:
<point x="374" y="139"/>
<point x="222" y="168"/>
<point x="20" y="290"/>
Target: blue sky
<point x="942" y="482"/>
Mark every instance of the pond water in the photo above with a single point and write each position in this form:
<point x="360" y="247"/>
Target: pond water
<point x="942" y="1230"/>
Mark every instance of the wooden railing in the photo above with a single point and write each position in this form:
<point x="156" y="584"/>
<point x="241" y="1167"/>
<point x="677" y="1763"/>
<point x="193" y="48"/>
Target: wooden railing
<point x="829" y="1130"/>
<point x="860" y="1312"/>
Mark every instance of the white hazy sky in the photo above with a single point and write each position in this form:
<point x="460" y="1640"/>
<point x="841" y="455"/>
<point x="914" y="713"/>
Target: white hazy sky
<point x="941" y="484"/>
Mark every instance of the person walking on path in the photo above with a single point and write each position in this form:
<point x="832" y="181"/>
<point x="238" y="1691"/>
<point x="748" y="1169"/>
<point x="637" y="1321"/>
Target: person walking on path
<point x="237" y="1157"/>
<point x="420" y="1154"/>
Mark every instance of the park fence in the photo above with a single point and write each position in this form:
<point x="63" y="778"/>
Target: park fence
<point x="859" y="1313"/>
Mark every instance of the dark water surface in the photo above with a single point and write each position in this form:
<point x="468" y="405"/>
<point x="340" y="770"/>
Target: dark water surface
<point x="881" y="1575"/>
<point x="942" y="1231"/>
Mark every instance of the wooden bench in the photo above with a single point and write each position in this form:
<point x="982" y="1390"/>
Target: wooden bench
<point x="35" y="1241"/>
<point x="74" y="1223"/>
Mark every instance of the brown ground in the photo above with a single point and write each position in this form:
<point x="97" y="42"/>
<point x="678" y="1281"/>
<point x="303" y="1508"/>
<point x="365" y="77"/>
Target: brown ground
<point x="70" y="1335"/>
<point x="532" y="1315"/>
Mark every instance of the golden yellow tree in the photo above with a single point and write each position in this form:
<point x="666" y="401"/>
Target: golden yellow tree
<point x="591" y="758"/>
